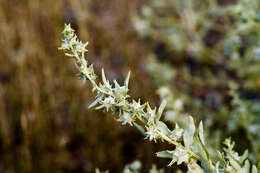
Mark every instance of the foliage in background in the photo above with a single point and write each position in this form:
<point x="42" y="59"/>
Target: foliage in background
<point x="208" y="48"/>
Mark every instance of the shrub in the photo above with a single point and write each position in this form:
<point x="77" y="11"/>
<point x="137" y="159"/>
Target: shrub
<point x="188" y="141"/>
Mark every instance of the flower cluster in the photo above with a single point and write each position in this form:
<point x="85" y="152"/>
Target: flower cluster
<point x="114" y="98"/>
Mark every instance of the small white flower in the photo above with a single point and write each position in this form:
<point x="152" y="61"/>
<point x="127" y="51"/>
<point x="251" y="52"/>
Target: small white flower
<point x="65" y="45"/>
<point x="137" y="107"/>
<point x="151" y="132"/>
<point x="126" y="118"/>
<point x="81" y="48"/>
<point x="67" y="29"/>
<point x="151" y="115"/>
<point x="179" y="155"/>
<point x="177" y="133"/>
<point x="108" y="102"/>
<point x="74" y="41"/>
<point x="120" y="92"/>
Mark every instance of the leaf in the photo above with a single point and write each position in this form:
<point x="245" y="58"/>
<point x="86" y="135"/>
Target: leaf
<point x="163" y="128"/>
<point x="161" y="108"/>
<point x="246" y="167"/>
<point x="127" y="79"/>
<point x="254" y="169"/>
<point x="189" y="132"/>
<point x="164" y="154"/>
<point x="217" y="167"/>
<point x="116" y="84"/>
<point x="103" y="76"/>
<point x="233" y="163"/>
<point x="201" y="133"/>
<point x="93" y="104"/>
<point x="244" y="156"/>
<point x="140" y="128"/>
<point x="222" y="157"/>
<point x="204" y="156"/>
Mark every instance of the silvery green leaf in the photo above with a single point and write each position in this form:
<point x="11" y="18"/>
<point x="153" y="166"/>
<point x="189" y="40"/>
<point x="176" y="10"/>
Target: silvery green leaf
<point x="204" y="156"/>
<point x="189" y="132"/>
<point x="254" y="169"/>
<point x="222" y="157"/>
<point x="161" y="108"/>
<point x="211" y="166"/>
<point x="99" y="107"/>
<point x="116" y="84"/>
<point x="93" y="104"/>
<point x="70" y="55"/>
<point x="193" y="167"/>
<point x="163" y="128"/>
<point x="244" y="156"/>
<point x="233" y="163"/>
<point x="201" y="133"/>
<point x="246" y="167"/>
<point x="164" y="154"/>
<point x="127" y="79"/>
<point x="103" y="76"/>
<point x="140" y="128"/>
<point x="217" y="167"/>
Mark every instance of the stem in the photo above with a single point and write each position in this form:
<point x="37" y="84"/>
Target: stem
<point x="177" y="144"/>
<point x="170" y="140"/>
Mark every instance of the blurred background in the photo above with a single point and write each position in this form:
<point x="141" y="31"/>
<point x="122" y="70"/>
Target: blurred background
<point x="202" y="55"/>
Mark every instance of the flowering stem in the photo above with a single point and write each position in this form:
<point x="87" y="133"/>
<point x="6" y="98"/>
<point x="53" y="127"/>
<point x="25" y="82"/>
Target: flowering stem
<point x="170" y="140"/>
<point x="177" y="144"/>
<point x="115" y="99"/>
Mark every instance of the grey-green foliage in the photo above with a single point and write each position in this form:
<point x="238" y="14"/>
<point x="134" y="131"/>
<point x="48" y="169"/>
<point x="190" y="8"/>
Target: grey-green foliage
<point x="163" y="73"/>
<point x="184" y="26"/>
<point x="188" y="27"/>
<point x="180" y="24"/>
<point x="188" y="142"/>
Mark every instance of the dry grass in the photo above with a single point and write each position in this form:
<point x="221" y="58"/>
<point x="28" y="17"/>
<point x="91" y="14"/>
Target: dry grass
<point x="44" y="121"/>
